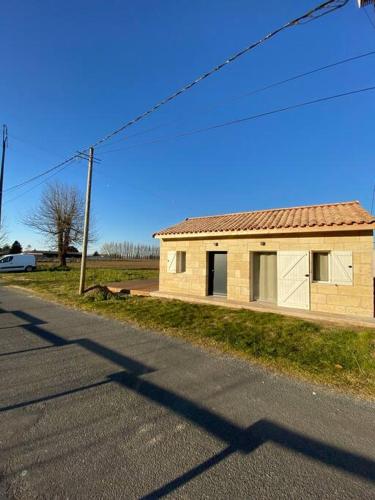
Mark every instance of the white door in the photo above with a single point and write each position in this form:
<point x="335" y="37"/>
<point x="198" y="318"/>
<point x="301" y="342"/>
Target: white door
<point x="293" y="279"/>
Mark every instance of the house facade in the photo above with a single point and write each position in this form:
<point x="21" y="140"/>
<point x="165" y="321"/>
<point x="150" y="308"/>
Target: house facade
<point x="316" y="258"/>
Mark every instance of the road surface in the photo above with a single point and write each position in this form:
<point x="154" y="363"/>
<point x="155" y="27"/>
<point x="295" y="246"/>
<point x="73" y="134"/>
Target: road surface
<point x="92" y="408"/>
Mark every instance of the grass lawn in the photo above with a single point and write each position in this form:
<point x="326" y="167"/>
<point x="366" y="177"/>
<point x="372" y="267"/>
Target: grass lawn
<point x="340" y="356"/>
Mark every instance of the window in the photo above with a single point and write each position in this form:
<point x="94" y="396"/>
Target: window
<point x="6" y="259"/>
<point x="181" y="262"/>
<point x="321" y="266"/>
<point x="176" y="262"/>
<point x="335" y="267"/>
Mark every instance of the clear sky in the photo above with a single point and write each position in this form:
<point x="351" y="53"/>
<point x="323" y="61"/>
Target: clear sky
<point x="72" y="71"/>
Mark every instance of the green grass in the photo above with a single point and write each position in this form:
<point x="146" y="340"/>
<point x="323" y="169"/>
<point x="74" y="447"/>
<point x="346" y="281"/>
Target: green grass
<point x="340" y="356"/>
<point x="65" y="283"/>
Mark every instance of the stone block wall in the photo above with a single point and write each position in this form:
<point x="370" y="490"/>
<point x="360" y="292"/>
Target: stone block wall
<point x="355" y="299"/>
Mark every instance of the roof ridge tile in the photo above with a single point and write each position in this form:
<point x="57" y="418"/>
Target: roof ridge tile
<point x="352" y="202"/>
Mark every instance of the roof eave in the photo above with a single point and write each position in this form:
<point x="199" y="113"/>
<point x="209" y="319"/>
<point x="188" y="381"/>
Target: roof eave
<point x="267" y="232"/>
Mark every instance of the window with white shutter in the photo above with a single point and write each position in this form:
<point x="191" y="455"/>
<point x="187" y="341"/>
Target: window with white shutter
<point x="342" y="268"/>
<point x="172" y="261"/>
<point x="176" y="261"/>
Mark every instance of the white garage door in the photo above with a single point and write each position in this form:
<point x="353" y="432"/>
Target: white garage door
<point x="293" y="279"/>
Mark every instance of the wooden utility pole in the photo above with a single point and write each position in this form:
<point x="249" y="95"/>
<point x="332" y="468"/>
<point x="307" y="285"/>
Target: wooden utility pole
<point x="5" y="141"/>
<point x="86" y="223"/>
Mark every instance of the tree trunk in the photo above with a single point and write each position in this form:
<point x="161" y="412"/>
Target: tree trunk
<point x="61" y="250"/>
<point x="66" y="243"/>
<point x="62" y="258"/>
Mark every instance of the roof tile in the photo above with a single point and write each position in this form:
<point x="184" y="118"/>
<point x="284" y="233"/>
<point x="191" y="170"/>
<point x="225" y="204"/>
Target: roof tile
<point x="329" y="215"/>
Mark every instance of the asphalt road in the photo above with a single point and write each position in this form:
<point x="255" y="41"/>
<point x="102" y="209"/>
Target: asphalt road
<point x="91" y="408"/>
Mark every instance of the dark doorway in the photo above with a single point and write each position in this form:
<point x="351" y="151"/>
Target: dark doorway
<point x="217" y="273"/>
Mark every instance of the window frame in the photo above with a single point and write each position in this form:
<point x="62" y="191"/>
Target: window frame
<point x="181" y="261"/>
<point x="325" y="252"/>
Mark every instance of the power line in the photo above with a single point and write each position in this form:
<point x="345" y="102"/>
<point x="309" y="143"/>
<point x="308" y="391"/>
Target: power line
<point x="42" y="174"/>
<point x="306" y="73"/>
<point x="62" y="167"/>
<point x="257" y="90"/>
<point x="313" y="14"/>
<point x="213" y="127"/>
<point x="330" y="5"/>
<point x="57" y="168"/>
<point x="79" y="155"/>
<point x="248" y="118"/>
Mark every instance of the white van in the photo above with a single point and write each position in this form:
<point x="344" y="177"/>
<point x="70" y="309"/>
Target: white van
<point x="17" y="262"/>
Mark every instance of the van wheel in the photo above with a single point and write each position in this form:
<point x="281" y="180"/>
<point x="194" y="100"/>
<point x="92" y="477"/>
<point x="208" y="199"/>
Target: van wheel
<point x="28" y="269"/>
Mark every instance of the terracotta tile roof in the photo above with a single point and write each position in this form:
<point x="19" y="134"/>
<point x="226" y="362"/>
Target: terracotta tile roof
<point x="313" y="217"/>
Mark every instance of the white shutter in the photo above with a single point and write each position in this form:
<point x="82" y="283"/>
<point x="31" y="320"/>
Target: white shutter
<point x="341" y="268"/>
<point x="293" y="279"/>
<point x="172" y="262"/>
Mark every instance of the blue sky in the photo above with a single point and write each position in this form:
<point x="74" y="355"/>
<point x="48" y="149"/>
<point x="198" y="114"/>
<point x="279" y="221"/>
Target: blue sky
<point x="74" y="70"/>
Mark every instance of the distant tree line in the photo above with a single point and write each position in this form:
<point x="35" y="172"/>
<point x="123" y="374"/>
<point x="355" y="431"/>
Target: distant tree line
<point x="129" y="250"/>
<point x="16" y="247"/>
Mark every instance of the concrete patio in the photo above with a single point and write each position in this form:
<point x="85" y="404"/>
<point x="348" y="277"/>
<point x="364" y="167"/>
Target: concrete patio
<point x="150" y="288"/>
<point x="135" y="287"/>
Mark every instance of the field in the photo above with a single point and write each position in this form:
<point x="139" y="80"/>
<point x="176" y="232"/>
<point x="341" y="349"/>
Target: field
<point x="332" y="355"/>
<point x="107" y="263"/>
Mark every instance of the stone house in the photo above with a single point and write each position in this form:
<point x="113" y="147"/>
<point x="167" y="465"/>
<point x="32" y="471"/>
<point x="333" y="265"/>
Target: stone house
<point x="316" y="258"/>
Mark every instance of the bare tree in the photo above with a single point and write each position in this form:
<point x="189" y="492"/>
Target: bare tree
<point x="59" y="218"/>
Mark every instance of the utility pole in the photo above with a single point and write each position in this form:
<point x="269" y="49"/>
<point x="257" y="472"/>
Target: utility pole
<point x="86" y="223"/>
<point x="5" y="142"/>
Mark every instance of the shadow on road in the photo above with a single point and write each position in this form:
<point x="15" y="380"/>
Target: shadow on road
<point x="238" y="439"/>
